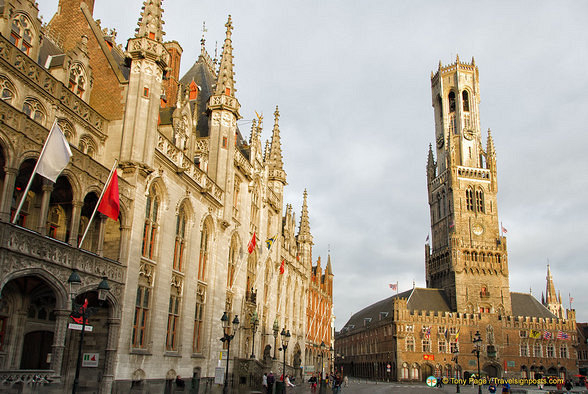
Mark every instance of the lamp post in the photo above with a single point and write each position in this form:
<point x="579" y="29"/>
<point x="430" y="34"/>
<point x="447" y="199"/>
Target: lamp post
<point x="276" y="329"/>
<point x="477" y="347"/>
<point x="254" y="324"/>
<point x="285" y="339"/>
<point x="83" y="312"/>
<point x="455" y="355"/>
<point x="228" y="337"/>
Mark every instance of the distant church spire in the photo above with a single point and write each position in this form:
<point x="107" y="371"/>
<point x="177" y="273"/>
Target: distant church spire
<point x="151" y="22"/>
<point x="226" y="77"/>
<point x="552" y="301"/>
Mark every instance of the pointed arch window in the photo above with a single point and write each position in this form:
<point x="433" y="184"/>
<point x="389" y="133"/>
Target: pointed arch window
<point x="151" y="224"/>
<point x="141" y="318"/>
<point x="7" y="90"/>
<point x="203" y="255"/>
<point x="469" y="199"/>
<point x="34" y="110"/>
<point x="180" y="240"/>
<point x="479" y="200"/>
<point x="22" y="33"/>
<point x="173" y="320"/>
<point x="77" y="79"/>
<point x="87" y="146"/>
<point x="451" y="98"/>
<point x="465" y="100"/>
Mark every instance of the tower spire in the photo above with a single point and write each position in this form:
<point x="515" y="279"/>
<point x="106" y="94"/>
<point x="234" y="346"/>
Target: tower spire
<point x="275" y="154"/>
<point x="304" y="230"/>
<point x="226" y="77"/>
<point x="151" y="22"/>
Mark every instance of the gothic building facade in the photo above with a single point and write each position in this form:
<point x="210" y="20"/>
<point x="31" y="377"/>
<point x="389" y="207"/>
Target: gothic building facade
<point x="194" y="193"/>
<point x="430" y="331"/>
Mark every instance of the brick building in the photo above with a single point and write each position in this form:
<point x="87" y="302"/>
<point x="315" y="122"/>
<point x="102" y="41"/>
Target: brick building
<point x="193" y="193"/>
<point x="419" y="332"/>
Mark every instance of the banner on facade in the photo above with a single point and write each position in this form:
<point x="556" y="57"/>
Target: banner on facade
<point x="429" y="357"/>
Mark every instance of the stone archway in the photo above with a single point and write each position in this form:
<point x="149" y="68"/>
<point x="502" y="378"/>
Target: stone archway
<point x="426" y="371"/>
<point x="492" y="370"/>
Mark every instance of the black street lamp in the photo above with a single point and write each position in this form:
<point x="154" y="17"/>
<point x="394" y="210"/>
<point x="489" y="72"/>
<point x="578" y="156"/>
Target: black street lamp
<point x="83" y="313"/>
<point x="477" y="348"/>
<point x="285" y="339"/>
<point x="455" y="355"/>
<point x="254" y="324"/>
<point x="228" y="337"/>
<point x="276" y="329"/>
<point x="322" y="347"/>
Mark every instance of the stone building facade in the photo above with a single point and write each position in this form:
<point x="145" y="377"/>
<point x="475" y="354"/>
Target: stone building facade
<point x="194" y="193"/>
<point x="430" y="331"/>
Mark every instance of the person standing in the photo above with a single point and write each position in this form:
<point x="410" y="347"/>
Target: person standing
<point x="264" y="382"/>
<point x="270" y="382"/>
<point x="312" y="382"/>
<point x="336" y="383"/>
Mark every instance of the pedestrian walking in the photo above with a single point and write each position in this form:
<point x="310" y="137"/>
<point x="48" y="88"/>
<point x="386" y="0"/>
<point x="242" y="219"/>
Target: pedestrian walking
<point x="270" y="382"/>
<point x="336" y="384"/>
<point x="264" y="382"/>
<point x="313" y="382"/>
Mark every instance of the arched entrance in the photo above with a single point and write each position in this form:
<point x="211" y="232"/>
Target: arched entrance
<point x="492" y="370"/>
<point x="427" y="370"/>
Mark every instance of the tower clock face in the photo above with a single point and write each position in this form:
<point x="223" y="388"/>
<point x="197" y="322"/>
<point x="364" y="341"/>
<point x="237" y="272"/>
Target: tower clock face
<point x="478" y="229"/>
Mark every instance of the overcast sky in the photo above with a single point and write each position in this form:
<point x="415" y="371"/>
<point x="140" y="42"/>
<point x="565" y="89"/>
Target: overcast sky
<point x="352" y="80"/>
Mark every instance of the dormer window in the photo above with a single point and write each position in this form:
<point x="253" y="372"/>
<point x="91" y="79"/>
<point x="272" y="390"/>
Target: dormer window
<point x="193" y="91"/>
<point x="152" y="35"/>
<point x="228" y="91"/>
<point x="77" y="79"/>
<point x="21" y="33"/>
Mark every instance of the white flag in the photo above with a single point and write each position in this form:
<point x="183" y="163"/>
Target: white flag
<point x="55" y="154"/>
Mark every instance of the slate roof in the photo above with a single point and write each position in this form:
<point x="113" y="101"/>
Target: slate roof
<point x="526" y="305"/>
<point x="418" y="299"/>
<point x="205" y="80"/>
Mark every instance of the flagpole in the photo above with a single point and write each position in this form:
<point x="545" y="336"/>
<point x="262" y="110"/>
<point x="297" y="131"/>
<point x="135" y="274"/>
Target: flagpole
<point x="98" y="203"/>
<point x="23" y="197"/>
<point x="397" y="289"/>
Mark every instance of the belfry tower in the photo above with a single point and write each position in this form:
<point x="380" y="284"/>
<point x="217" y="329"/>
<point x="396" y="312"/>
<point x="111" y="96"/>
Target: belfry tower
<point x="468" y="257"/>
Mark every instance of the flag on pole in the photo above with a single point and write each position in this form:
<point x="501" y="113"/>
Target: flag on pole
<point x="270" y="241"/>
<point x="251" y="244"/>
<point x="110" y="204"/>
<point x="446" y="334"/>
<point x="546" y="335"/>
<point x="427" y="240"/>
<point x="562" y="335"/>
<point x="55" y="154"/>
<point x="428" y="333"/>
<point x="282" y="267"/>
<point x="535" y="334"/>
<point x="393" y="286"/>
<point x="457" y="335"/>
<point x="504" y="231"/>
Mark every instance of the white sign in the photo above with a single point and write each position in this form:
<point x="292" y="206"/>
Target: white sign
<point x="90" y="360"/>
<point x="219" y="375"/>
<point x="78" y="327"/>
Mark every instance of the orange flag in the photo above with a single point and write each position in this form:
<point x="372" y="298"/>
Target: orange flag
<point x="251" y="244"/>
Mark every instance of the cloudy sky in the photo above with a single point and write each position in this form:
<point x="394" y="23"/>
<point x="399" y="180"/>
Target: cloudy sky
<point x="352" y="80"/>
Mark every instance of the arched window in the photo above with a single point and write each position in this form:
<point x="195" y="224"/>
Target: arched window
<point x="451" y="98"/>
<point x="414" y="372"/>
<point x="404" y="374"/>
<point x="67" y="128"/>
<point x="466" y="101"/>
<point x="438" y="206"/>
<point x="204" y="248"/>
<point x="7" y="90"/>
<point x="34" y="109"/>
<point x="77" y="79"/>
<point x="479" y="200"/>
<point x="173" y="320"/>
<point x="180" y="240"/>
<point x="233" y="256"/>
<point x="87" y="146"/>
<point x="22" y="33"/>
<point x="199" y="319"/>
<point x="469" y="199"/>
<point x="142" y="314"/>
<point x="151" y="224"/>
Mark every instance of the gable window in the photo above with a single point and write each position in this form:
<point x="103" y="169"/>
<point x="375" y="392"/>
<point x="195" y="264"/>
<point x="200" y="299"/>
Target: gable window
<point x="22" y="33"/>
<point x="77" y="79"/>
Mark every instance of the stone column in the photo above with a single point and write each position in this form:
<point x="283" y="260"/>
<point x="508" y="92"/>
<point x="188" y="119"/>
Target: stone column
<point x="7" y="191"/>
<point x="21" y="318"/>
<point x="125" y="239"/>
<point x="61" y="320"/>
<point x="42" y="224"/>
<point x="110" y="355"/>
<point x="101" y="228"/>
<point x="74" y="228"/>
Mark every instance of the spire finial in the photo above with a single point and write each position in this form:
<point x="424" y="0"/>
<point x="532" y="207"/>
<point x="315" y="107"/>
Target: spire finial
<point x="304" y="230"/>
<point x="275" y="157"/>
<point x="440" y="64"/>
<point x="150" y="22"/>
<point x="225" y="83"/>
<point x="203" y="40"/>
<point x="473" y="61"/>
<point x="457" y="58"/>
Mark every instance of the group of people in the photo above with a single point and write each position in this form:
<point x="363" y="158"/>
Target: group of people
<point x="269" y="380"/>
<point x="334" y="381"/>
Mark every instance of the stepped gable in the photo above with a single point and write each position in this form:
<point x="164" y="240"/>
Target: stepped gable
<point x="526" y="305"/>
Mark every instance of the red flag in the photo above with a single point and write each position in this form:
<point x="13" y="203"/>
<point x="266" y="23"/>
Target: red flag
<point x="110" y="204"/>
<point x="282" y="267"/>
<point x="251" y="244"/>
